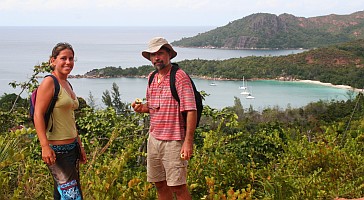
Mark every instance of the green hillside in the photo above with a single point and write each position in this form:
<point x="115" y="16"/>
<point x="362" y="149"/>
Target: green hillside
<point x="341" y="64"/>
<point x="312" y="152"/>
<point x="263" y="30"/>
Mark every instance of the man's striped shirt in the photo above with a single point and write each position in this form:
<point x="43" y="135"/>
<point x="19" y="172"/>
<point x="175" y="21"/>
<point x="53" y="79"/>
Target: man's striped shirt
<point x="166" y="121"/>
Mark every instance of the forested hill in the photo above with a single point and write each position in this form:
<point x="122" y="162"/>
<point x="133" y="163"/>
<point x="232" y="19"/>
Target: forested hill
<point x="264" y="30"/>
<point x="338" y="64"/>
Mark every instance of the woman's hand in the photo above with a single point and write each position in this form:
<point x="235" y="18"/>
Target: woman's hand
<point x="48" y="155"/>
<point x="83" y="157"/>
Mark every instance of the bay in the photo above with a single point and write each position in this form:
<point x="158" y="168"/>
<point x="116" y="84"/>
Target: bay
<point x="267" y="93"/>
<point x="23" y="47"/>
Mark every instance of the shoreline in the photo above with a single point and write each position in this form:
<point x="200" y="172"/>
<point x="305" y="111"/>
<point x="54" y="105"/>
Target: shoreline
<point x="236" y="48"/>
<point x="331" y="85"/>
<point x="347" y="87"/>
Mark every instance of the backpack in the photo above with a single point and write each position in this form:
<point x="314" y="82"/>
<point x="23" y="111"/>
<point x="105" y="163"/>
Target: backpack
<point x="198" y="97"/>
<point x="51" y="105"/>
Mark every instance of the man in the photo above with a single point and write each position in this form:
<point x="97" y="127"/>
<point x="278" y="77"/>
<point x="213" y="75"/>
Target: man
<point x="170" y="142"/>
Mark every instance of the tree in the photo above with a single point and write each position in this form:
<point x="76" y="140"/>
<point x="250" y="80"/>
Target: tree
<point x="91" y="100"/>
<point x="114" y="100"/>
<point x="32" y="83"/>
<point x="106" y="98"/>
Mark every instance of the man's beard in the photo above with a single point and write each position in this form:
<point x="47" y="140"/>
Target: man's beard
<point x="159" y="65"/>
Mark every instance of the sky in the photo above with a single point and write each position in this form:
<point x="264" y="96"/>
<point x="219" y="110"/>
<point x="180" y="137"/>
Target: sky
<point x="160" y="12"/>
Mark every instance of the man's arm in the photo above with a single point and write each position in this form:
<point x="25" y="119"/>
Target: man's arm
<point x="187" y="148"/>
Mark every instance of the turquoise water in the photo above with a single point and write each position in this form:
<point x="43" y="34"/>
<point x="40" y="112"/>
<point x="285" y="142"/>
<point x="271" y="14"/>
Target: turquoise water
<point x="96" y="47"/>
<point x="266" y="93"/>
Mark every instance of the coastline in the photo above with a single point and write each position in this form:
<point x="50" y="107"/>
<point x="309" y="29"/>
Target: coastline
<point x="332" y="85"/>
<point x="237" y="48"/>
<point x="347" y="87"/>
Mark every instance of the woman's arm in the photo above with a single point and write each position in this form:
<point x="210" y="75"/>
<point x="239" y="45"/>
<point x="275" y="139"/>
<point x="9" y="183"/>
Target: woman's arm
<point x="44" y="96"/>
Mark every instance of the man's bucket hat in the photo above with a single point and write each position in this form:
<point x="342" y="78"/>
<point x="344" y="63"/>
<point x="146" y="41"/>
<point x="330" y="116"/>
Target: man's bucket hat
<point x="155" y="44"/>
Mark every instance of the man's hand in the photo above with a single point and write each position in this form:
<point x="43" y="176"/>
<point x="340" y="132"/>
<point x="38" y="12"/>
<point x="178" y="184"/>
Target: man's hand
<point x="139" y="107"/>
<point x="187" y="150"/>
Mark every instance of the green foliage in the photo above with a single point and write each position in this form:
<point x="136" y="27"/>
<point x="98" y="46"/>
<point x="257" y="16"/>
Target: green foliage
<point x="97" y="125"/>
<point x="269" y="31"/>
<point x="113" y="176"/>
<point x="272" y="162"/>
<point x="13" y="120"/>
<point x="14" y="151"/>
<point x="8" y="100"/>
<point x="114" y="100"/>
<point x="14" y="109"/>
<point x="323" y="64"/>
<point x="10" y="149"/>
<point x="106" y="98"/>
<point x="314" y="152"/>
<point x="91" y="100"/>
<point x="319" y="169"/>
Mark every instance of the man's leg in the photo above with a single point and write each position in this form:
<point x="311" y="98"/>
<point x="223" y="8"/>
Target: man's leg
<point x="176" y="170"/>
<point x="181" y="192"/>
<point x="164" y="191"/>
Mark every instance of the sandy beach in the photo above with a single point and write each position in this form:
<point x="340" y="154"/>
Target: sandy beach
<point x="332" y="85"/>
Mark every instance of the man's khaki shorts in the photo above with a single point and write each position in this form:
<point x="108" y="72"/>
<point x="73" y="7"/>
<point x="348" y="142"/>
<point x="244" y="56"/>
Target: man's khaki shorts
<point x="164" y="162"/>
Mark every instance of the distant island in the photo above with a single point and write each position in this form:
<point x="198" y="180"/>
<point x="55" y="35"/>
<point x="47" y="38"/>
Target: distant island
<point x="336" y="54"/>
<point x="286" y="31"/>
<point x="341" y="64"/>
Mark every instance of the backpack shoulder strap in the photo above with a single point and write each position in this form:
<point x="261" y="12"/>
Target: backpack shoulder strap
<point x="69" y="84"/>
<point x="172" y="81"/>
<point x="53" y="100"/>
<point x="151" y="77"/>
<point x="56" y="91"/>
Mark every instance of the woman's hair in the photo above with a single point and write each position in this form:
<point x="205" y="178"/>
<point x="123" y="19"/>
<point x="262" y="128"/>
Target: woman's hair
<point x="58" y="48"/>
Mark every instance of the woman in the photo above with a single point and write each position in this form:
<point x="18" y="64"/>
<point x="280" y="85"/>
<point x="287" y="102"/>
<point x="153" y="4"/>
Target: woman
<point x="62" y="149"/>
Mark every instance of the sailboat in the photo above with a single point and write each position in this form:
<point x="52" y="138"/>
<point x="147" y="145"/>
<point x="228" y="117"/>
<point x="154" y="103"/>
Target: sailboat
<point x="244" y="88"/>
<point x="213" y="83"/>
<point x="245" y="92"/>
<point x="250" y="95"/>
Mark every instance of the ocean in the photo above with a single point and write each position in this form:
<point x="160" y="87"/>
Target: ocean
<point x="21" y="48"/>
